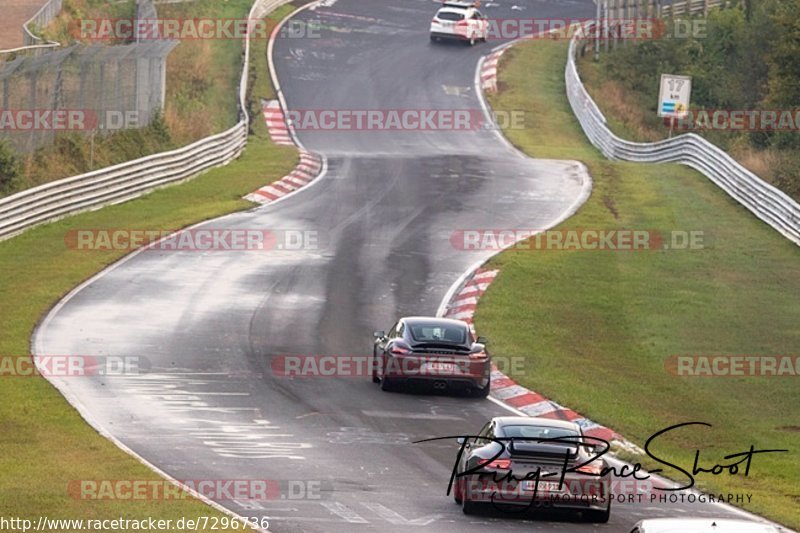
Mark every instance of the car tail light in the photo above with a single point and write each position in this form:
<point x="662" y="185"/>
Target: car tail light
<point x="591" y="468"/>
<point x="478" y="356"/>
<point x="399" y="350"/>
<point x="499" y="464"/>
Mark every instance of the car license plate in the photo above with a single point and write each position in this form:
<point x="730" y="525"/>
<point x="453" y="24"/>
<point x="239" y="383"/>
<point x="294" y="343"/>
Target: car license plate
<point x="544" y="486"/>
<point x="439" y="368"/>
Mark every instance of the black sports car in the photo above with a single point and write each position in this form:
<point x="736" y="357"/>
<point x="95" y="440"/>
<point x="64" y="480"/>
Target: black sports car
<point x="515" y="463"/>
<point x="436" y="352"/>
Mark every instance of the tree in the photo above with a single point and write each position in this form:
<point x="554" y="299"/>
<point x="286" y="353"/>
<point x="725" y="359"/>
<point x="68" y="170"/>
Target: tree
<point x="784" y="57"/>
<point x="9" y="167"/>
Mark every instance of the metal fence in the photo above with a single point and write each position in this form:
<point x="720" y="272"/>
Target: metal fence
<point x="102" y="88"/>
<point x="765" y="201"/>
<point x="121" y="182"/>
<point x="627" y="9"/>
<point x="614" y="17"/>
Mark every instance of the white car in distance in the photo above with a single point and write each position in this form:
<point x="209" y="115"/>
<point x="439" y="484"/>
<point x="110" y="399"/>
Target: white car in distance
<point x="459" y="21"/>
<point x="701" y="525"/>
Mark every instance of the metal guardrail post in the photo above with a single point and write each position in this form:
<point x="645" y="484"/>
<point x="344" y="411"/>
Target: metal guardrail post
<point x="766" y="202"/>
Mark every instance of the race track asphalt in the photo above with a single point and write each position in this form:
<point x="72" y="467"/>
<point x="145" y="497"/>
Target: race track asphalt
<point x="211" y="325"/>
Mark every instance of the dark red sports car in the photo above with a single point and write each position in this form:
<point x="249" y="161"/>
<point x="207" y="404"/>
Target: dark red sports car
<point x="436" y="352"/>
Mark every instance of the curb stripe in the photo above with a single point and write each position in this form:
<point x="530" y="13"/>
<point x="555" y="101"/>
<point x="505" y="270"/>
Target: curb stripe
<point x="282" y="186"/>
<point x="306" y="170"/>
<point x="462" y="306"/>
<point x="294" y="181"/>
<point x="265" y="194"/>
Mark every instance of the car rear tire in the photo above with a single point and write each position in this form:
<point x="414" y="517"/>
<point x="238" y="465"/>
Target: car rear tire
<point x="482" y="393"/>
<point x="375" y="378"/>
<point x="598" y="517"/>
<point x="387" y="385"/>
<point x="434" y="39"/>
<point x="469" y="507"/>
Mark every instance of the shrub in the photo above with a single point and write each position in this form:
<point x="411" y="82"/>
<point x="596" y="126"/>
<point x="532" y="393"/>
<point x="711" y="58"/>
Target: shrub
<point x="9" y="167"/>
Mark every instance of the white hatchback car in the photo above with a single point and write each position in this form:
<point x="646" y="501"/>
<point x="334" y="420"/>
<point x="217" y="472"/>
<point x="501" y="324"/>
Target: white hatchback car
<point x="701" y="525"/>
<point x="461" y="21"/>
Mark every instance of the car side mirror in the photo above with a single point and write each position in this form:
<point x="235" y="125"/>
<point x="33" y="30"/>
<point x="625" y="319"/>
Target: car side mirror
<point x="460" y="440"/>
<point x="380" y="334"/>
<point x="482" y="340"/>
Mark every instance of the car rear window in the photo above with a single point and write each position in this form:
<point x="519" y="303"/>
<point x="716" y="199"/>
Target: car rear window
<point x="537" y="432"/>
<point x="450" y="15"/>
<point x="439" y="333"/>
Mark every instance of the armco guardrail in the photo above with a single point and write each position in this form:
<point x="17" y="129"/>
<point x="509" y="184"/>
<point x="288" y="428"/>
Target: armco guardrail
<point x="690" y="6"/>
<point x="42" y="18"/>
<point x="765" y="201"/>
<point x="127" y="180"/>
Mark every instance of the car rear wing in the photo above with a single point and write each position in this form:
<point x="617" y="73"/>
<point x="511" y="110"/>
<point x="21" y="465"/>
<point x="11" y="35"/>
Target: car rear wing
<point x="522" y="447"/>
<point x="463" y="4"/>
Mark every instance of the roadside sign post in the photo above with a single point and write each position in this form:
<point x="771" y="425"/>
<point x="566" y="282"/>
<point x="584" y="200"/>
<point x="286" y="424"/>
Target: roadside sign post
<point x="673" y="97"/>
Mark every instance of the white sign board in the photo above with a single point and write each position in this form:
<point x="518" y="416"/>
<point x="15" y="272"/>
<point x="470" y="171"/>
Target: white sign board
<point x="673" y="96"/>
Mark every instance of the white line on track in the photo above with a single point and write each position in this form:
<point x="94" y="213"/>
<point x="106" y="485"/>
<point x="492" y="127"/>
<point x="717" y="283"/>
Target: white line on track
<point x="413" y="416"/>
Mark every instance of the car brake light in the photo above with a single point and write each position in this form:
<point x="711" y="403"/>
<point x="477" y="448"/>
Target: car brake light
<point x="499" y="464"/>
<point x="590" y="469"/>
<point x="399" y="350"/>
<point x="478" y="356"/>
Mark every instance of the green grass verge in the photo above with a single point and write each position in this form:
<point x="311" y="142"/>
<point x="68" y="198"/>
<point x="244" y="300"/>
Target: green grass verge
<point x="596" y="327"/>
<point x="202" y="81"/>
<point x="44" y="444"/>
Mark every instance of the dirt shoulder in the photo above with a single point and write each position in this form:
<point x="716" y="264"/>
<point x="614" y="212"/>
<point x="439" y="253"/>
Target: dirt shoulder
<point x="15" y="13"/>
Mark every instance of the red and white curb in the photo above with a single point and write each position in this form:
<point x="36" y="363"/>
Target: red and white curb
<point x="276" y="122"/>
<point x="489" y="71"/>
<point x="462" y="307"/>
<point x="304" y="173"/>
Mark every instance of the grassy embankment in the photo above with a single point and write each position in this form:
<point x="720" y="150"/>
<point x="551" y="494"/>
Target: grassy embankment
<point x="596" y="327"/>
<point x="44" y="444"/>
